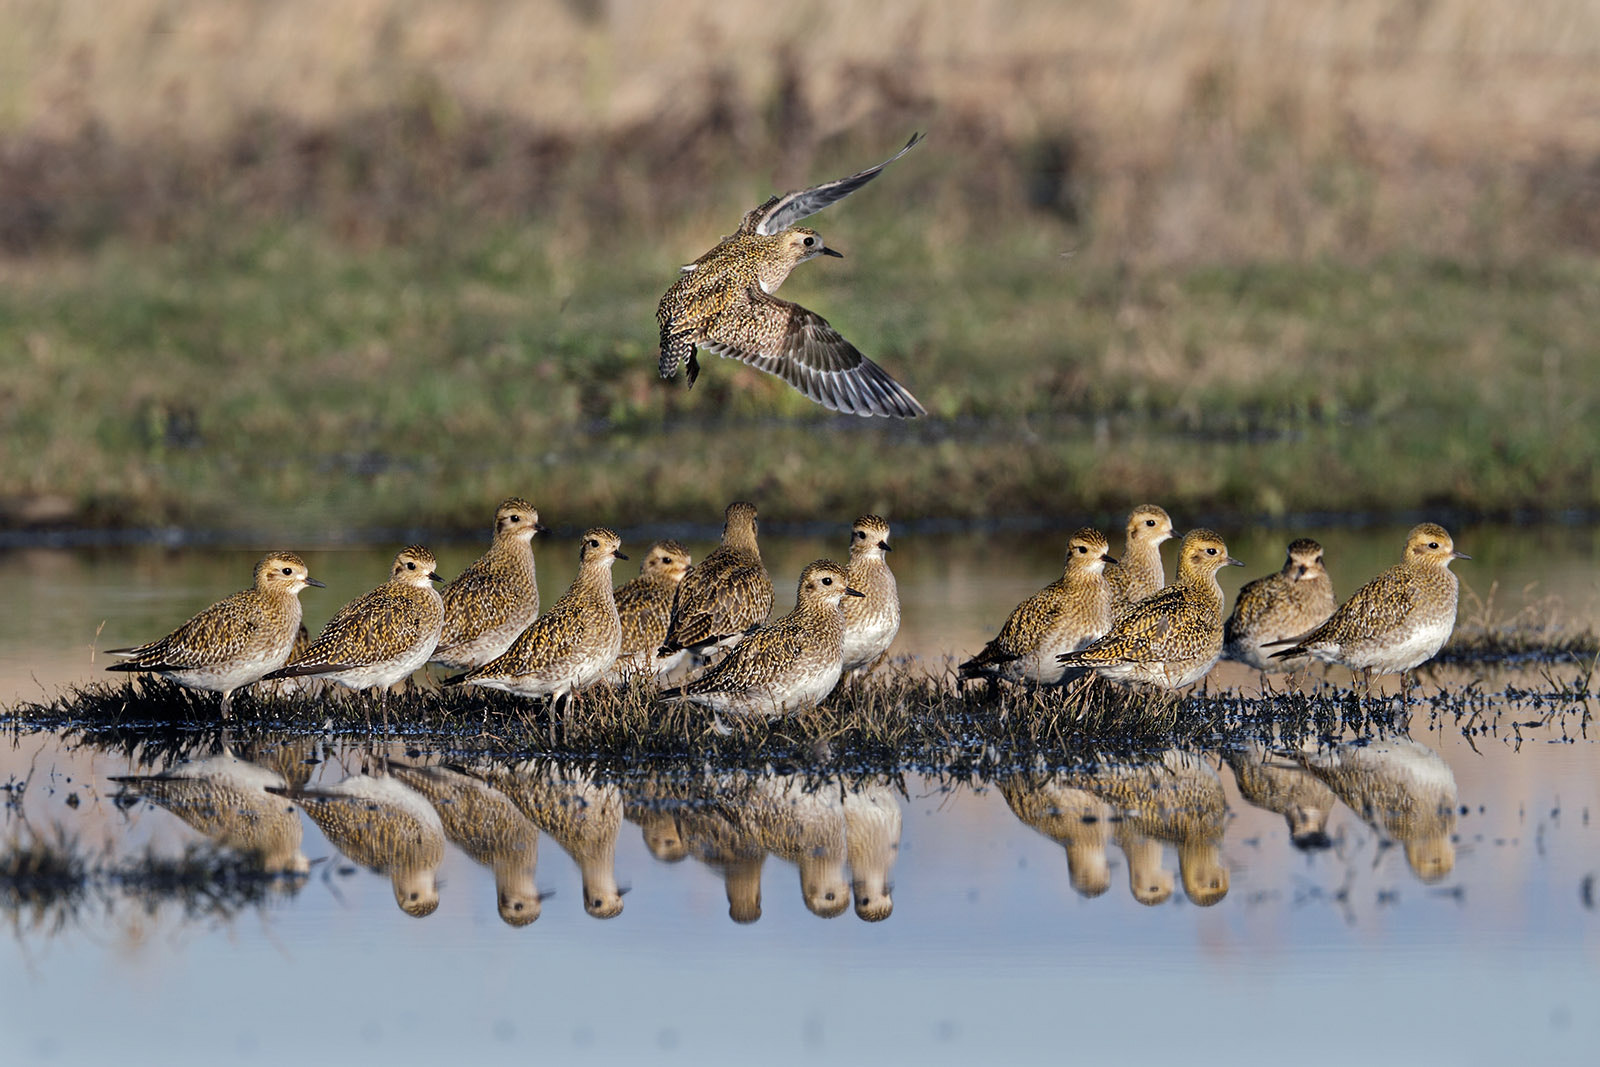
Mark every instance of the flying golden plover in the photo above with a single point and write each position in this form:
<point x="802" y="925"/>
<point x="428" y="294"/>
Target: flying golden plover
<point x="1139" y="572"/>
<point x="235" y="641"/>
<point x="645" y="607"/>
<point x="871" y="620"/>
<point x="1396" y="621"/>
<point x="727" y="595"/>
<point x="1174" y="637"/>
<point x="723" y="302"/>
<point x="1292" y="602"/>
<point x="380" y="637"/>
<point x="787" y="666"/>
<point x="496" y="597"/>
<point x="1064" y="616"/>
<point x="571" y="645"/>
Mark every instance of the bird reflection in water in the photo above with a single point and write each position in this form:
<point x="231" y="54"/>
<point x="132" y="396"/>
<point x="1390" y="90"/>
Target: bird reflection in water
<point x="1282" y="786"/>
<point x="486" y="825"/>
<point x="226" y="798"/>
<point x="1402" y="789"/>
<point x="581" y="814"/>
<point x="382" y="824"/>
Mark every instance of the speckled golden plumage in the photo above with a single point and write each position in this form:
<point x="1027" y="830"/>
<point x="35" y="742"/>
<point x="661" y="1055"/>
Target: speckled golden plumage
<point x="1292" y="602"/>
<point x="380" y="637"/>
<point x="1064" y="616"/>
<point x="573" y="644"/>
<point x="488" y="827"/>
<point x="1400" y="618"/>
<point x="871" y="620"/>
<point x="1174" y="637"/>
<point x="1402" y="789"/>
<point x="383" y="825"/>
<point x="226" y="799"/>
<point x="726" y="595"/>
<point x="1139" y="572"/>
<point x="722" y="302"/>
<point x="496" y="597"/>
<point x="644" y="606"/>
<point x="787" y="666"/>
<point x="235" y="641"/>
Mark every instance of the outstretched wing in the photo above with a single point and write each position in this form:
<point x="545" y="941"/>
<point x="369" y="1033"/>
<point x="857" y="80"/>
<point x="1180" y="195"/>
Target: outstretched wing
<point x="800" y="347"/>
<point x="781" y="212"/>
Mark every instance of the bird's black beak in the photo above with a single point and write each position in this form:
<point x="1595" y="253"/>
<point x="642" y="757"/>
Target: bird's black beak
<point x="1235" y="562"/>
<point x="834" y="252"/>
<point x="1107" y="557"/>
<point x="319" y="585"/>
<point x="853" y="592"/>
<point x="1459" y="555"/>
<point x="434" y="576"/>
<point x="539" y="528"/>
<point x="620" y="554"/>
<point x="885" y="546"/>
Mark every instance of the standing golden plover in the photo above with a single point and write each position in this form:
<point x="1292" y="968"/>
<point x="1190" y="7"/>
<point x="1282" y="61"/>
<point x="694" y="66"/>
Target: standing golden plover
<point x="1292" y="602"/>
<point x="235" y="641"/>
<point x="1174" y="637"/>
<point x="380" y="637"/>
<point x="787" y="666"/>
<point x="645" y="607"/>
<point x="872" y="620"/>
<point x="1396" y="621"/>
<point x="1139" y="572"/>
<point x="486" y="825"/>
<point x="226" y="798"/>
<point x="1064" y="616"/>
<point x="384" y="825"/>
<point x="573" y="644"/>
<point x="496" y="597"/>
<point x="723" y="302"/>
<point x="727" y="595"/>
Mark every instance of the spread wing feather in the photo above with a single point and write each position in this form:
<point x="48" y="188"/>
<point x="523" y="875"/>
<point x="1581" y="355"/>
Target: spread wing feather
<point x="781" y="212"/>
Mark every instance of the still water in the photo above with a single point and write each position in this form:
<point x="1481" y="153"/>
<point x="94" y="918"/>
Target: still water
<point x="1423" y="896"/>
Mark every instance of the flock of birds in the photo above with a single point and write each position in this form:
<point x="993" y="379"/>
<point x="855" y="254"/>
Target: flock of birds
<point x="1116" y="619"/>
<point x="1119" y="620"/>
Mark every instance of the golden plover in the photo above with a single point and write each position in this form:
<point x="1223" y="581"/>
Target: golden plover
<point x="1402" y="789"/>
<point x="727" y="595"/>
<point x="1174" y="637"/>
<point x="1292" y="602"/>
<point x="645" y="607"/>
<point x="486" y="825"/>
<point x="226" y="798"/>
<point x="790" y="665"/>
<point x="1286" y="789"/>
<point x="1396" y="621"/>
<point x="386" y="826"/>
<point x="1178" y="798"/>
<point x="1139" y="572"/>
<point x="235" y="641"/>
<point x="573" y="644"/>
<point x="1064" y="616"/>
<point x="872" y="620"/>
<point x="872" y="840"/>
<point x="583" y="816"/>
<point x="496" y="597"/>
<point x="380" y="637"/>
<point x="802" y="825"/>
<point x="723" y="302"/>
<point x="714" y="835"/>
<point x="1072" y="817"/>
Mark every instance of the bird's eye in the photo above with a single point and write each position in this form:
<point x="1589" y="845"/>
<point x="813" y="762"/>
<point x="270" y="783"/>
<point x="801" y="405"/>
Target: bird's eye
<point x="515" y="518"/>
<point x="1149" y="522"/>
<point x="1211" y="552"/>
<point x="1433" y="544"/>
<point x="1081" y="550"/>
<point x="288" y="570"/>
<point x="827" y="581"/>
<point x="810" y="241"/>
<point x="411" y="566"/>
<point x="593" y="543"/>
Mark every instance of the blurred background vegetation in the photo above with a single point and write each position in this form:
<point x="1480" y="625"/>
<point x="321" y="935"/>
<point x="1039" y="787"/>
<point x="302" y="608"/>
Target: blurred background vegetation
<point x="316" y="269"/>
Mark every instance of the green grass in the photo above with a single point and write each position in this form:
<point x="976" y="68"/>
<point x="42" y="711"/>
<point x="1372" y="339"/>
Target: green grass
<point x="280" y="381"/>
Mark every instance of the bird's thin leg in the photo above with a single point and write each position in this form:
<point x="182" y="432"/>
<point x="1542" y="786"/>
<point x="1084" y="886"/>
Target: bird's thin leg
<point x="227" y="704"/>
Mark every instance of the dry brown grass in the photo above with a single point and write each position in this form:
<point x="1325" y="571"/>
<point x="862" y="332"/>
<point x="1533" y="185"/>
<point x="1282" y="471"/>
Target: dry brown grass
<point x="1171" y="132"/>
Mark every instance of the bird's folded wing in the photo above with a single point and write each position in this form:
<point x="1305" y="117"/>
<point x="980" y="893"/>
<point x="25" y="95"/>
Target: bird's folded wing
<point x="781" y="212"/>
<point x="799" y="346"/>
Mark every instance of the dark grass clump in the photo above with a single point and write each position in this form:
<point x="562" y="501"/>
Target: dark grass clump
<point x="1518" y="646"/>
